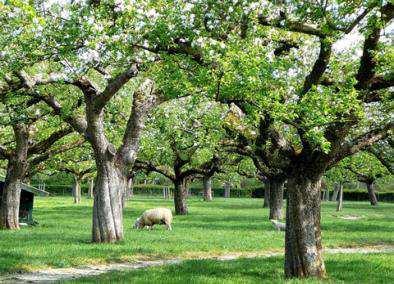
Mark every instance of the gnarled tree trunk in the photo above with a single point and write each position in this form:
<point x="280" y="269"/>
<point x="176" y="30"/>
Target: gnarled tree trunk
<point x="9" y="215"/>
<point x="16" y="171"/>
<point x="303" y="256"/>
<point x="180" y="197"/>
<point x="276" y="199"/>
<point x="108" y="207"/>
<point x="371" y="193"/>
<point x="207" y="181"/>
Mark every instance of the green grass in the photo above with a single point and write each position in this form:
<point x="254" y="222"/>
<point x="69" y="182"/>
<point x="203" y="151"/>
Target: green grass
<point x="62" y="238"/>
<point x="371" y="268"/>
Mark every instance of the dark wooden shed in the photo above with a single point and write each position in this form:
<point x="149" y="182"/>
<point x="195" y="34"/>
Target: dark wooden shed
<point x="27" y="201"/>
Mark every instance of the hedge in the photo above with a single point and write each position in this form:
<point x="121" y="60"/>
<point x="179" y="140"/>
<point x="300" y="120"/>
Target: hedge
<point x="254" y="192"/>
<point x="63" y="189"/>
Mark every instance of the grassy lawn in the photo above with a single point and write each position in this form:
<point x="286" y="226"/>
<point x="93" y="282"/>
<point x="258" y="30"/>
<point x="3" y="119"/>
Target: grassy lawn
<point x="62" y="238"/>
<point x="352" y="268"/>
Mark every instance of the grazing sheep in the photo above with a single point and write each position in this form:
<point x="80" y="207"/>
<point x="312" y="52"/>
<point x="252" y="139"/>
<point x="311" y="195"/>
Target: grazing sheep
<point x="154" y="216"/>
<point x="278" y="225"/>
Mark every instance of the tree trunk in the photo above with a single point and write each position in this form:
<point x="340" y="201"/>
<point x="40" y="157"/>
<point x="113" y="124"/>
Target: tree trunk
<point x="77" y="190"/>
<point x="130" y="189"/>
<point x="207" y="181"/>
<point x="340" y="198"/>
<point x="303" y="257"/>
<point x="180" y="197"/>
<point x="9" y="217"/>
<point x="276" y="199"/>
<point x="266" y="195"/>
<point x="327" y="195"/>
<point x="90" y="190"/>
<point x="127" y="193"/>
<point x="108" y="207"/>
<point x="371" y="193"/>
<point x="227" y="190"/>
<point x="335" y="193"/>
<point x="16" y="172"/>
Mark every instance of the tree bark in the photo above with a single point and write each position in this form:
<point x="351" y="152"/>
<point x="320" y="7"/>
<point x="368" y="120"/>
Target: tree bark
<point x="128" y="192"/>
<point x="266" y="195"/>
<point x="276" y="199"/>
<point x="90" y="190"/>
<point x="108" y="206"/>
<point x="130" y="189"/>
<point x="371" y="193"/>
<point x="227" y="190"/>
<point x="9" y="217"/>
<point x="303" y="257"/>
<point x="16" y="171"/>
<point x="207" y="181"/>
<point x="180" y="197"/>
<point x="335" y="193"/>
<point x="340" y="198"/>
<point x="327" y="195"/>
<point x="77" y="190"/>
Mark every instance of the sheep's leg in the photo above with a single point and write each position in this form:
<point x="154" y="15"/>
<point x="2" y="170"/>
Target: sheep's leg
<point x="168" y="226"/>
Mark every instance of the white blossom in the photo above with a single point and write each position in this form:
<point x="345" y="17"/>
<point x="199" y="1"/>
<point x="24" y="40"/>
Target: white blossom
<point x="152" y="14"/>
<point x="119" y="6"/>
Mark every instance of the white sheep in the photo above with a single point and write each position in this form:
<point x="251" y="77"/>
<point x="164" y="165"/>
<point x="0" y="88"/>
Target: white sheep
<point x="278" y="225"/>
<point x="154" y="216"/>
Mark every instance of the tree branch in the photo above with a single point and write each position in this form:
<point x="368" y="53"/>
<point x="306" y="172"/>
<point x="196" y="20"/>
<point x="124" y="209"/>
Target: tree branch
<point x="190" y="173"/>
<point x="114" y="85"/>
<point x="360" y="176"/>
<point x="144" y="99"/>
<point x="148" y="166"/>
<point x="78" y="124"/>
<point x="52" y="152"/>
<point x="364" y="141"/>
<point x="181" y="47"/>
<point x="283" y="23"/>
<point x="87" y="87"/>
<point x="366" y="71"/>
<point x="380" y="82"/>
<point x="4" y="153"/>
<point x="318" y="68"/>
<point x="388" y="163"/>
<point x="45" y="144"/>
<point x="357" y="21"/>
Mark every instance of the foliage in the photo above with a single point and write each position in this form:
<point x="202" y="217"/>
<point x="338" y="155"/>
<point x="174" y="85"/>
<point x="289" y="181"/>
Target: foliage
<point x="188" y="130"/>
<point x="362" y="167"/>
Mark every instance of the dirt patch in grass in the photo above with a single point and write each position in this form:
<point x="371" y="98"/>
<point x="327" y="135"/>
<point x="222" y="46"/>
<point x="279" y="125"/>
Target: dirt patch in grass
<point x="58" y="274"/>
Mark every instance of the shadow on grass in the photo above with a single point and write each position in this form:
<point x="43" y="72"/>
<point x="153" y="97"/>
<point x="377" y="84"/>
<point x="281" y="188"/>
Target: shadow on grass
<point x="355" y="226"/>
<point x="347" y="268"/>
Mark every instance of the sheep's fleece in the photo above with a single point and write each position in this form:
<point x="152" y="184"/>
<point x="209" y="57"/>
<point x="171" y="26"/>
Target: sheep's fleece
<point x="154" y="216"/>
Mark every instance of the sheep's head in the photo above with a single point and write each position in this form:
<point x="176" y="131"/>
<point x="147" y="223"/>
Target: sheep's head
<point x="138" y="224"/>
